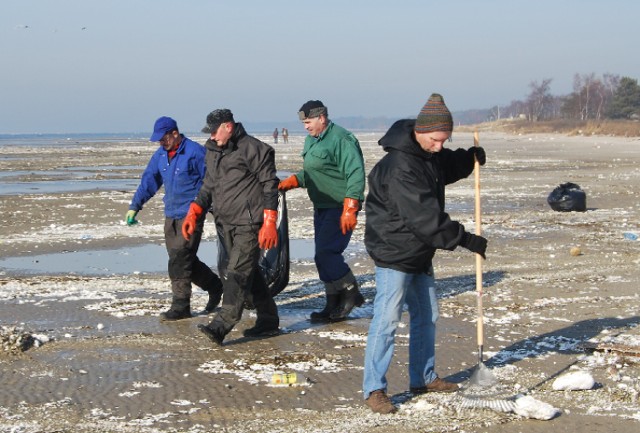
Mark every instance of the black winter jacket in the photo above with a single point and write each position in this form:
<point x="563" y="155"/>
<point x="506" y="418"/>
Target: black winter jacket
<point x="240" y="181"/>
<point x="405" y="212"/>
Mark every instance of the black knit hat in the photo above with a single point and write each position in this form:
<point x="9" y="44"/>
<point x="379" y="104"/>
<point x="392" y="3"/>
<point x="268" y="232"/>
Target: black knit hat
<point x="434" y="116"/>
<point x="217" y="118"/>
<point x="312" y="109"/>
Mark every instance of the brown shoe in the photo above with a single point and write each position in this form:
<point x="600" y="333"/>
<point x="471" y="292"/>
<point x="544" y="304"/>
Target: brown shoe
<point x="438" y="385"/>
<point x="379" y="402"/>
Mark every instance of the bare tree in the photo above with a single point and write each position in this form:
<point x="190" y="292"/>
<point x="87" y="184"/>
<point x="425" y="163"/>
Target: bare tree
<point x="581" y="90"/>
<point x="599" y="98"/>
<point x="591" y="96"/>
<point x="554" y="108"/>
<point x="515" y="109"/>
<point x="539" y="99"/>
<point x="494" y="113"/>
<point x="610" y="83"/>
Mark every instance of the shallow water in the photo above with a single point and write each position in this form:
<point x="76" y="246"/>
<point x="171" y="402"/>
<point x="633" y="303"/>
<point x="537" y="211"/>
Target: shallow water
<point x="74" y="180"/>
<point x="66" y="141"/>
<point x="145" y="259"/>
<point x="55" y="186"/>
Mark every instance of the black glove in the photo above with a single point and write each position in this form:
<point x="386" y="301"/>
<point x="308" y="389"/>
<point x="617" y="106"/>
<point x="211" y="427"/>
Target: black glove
<point x="476" y="244"/>
<point x="478" y="152"/>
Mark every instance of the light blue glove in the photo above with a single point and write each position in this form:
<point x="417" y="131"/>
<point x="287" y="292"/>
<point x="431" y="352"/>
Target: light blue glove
<point x="131" y="217"/>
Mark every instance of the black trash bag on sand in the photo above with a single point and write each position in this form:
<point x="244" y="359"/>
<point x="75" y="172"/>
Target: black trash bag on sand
<point x="568" y="197"/>
<point x="274" y="263"/>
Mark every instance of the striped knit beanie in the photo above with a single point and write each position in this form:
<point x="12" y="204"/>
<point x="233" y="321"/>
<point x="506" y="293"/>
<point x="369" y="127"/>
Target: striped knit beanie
<point x="434" y="116"/>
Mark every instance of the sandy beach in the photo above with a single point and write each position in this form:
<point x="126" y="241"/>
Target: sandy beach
<point x="83" y="349"/>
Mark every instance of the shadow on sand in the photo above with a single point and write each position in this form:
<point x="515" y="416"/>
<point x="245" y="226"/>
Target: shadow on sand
<point x="565" y="340"/>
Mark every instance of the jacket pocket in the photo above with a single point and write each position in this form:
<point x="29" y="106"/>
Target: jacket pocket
<point x="318" y="159"/>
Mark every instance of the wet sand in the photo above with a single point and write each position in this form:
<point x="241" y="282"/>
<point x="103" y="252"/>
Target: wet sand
<point x="110" y="365"/>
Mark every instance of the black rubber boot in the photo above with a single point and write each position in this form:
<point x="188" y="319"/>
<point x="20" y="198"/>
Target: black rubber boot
<point x="323" y="315"/>
<point x="180" y="309"/>
<point x="262" y="330"/>
<point x="215" y="335"/>
<point x="215" y="295"/>
<point x="349" y="298"/>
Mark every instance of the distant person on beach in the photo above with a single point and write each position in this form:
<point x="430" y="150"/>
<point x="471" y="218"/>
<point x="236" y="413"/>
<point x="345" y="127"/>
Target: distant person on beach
<point x="406" y="223"/>
<point x="241" y="188"/>
<point x="333" y="174"/>
<point x="179" y="165"/>
<point x="275" y="136"/>
<point x="285" y="135"/>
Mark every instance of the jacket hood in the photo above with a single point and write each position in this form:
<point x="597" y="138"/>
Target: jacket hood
<point x="401" y="137"/>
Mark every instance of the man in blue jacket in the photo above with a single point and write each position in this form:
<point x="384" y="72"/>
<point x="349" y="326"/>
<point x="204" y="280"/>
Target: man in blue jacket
<point x="179" y="165"/>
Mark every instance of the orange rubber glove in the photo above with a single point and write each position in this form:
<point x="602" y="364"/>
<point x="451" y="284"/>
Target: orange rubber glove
<point x="289" y="183"/>
<point x="268" y="235"/>
<point x="348" y="218"/>
<point x="190" y="221"/>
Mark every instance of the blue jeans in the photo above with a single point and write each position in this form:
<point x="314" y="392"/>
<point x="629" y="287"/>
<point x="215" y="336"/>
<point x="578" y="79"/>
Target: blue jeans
<point x="393" y="289"/>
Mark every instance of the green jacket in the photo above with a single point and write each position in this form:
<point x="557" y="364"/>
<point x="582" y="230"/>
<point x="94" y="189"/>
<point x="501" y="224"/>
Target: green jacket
<point x="333" y="167"/>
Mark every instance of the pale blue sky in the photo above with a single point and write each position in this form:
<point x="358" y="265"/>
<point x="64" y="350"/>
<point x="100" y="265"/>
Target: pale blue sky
<point x="139" y="59"/>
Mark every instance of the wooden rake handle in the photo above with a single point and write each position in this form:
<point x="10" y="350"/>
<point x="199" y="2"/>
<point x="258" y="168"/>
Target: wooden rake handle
<point x="478" y="214"/>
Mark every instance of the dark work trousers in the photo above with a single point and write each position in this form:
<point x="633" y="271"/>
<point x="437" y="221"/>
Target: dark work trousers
<point x="184" y="265"/>
<point x="243" y="280"/>
<point x="330" y="243"/>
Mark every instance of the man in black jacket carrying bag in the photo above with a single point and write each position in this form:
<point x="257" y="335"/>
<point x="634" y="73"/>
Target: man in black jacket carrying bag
<point x="241" y="188"/>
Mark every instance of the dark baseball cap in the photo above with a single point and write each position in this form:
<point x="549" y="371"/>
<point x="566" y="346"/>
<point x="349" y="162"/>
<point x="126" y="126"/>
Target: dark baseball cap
<point x="217" y="118"/>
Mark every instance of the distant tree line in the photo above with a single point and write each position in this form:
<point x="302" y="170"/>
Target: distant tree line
<point x="593" y="98"/>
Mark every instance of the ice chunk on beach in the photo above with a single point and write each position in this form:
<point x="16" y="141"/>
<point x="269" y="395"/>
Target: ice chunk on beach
<point x="529" y="407"/>
<point x="574" y="381"/>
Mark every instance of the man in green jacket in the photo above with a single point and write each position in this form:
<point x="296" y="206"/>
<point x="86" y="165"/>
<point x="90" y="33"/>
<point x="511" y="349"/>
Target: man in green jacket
<point x="333" y="174"/>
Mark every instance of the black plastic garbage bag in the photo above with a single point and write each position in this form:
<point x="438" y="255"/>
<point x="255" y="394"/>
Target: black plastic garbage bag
<point x="568" y="197"/>
<point x="274" y="263"/>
